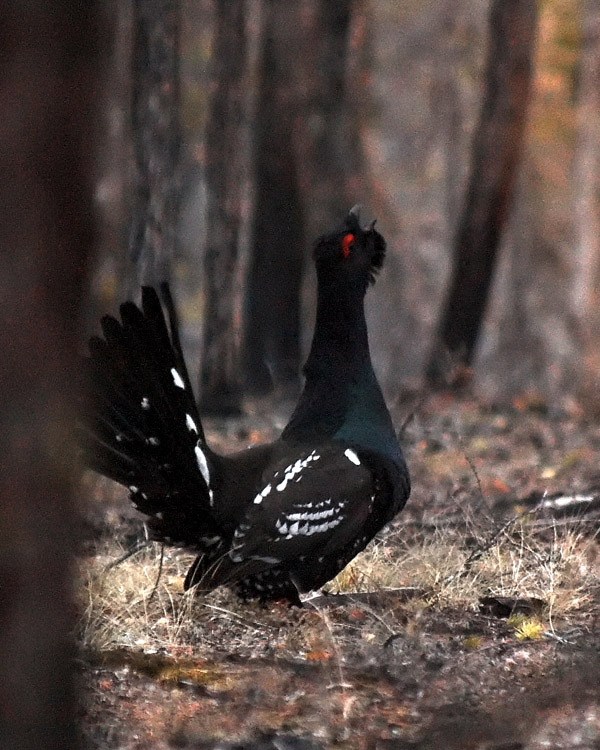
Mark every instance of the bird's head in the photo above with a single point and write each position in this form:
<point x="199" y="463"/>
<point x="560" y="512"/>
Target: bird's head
<point x="351" y="254"/>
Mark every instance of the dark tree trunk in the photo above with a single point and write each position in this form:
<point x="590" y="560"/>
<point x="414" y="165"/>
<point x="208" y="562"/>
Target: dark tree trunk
<point x="273" y="291"/>
<point x="156" y="137"/>
<point x="220" y="379"/>
<point x="324" y="134"/>
<point x="49" y="90"/>
<point x="332" y="143"/>
<point x="495" y="160"/>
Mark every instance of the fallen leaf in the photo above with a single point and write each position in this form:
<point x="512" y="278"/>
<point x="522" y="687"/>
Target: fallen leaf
<point x="318" y="655"/>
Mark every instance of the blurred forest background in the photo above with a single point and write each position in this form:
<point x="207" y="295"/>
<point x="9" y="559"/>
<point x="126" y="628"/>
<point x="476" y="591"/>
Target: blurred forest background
<point x="289" y="113"/>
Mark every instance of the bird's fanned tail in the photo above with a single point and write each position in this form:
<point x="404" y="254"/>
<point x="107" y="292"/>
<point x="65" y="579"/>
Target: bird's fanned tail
<point x="140" y="424"/>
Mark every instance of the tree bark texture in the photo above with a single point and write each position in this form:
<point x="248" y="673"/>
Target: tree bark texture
<point x="327" y="112"/>
<point x="49" y="92"/>
<point x="226" y="173"/>
<point x="273" y="289"/>
<point x="587" y="166"/>
<point x="156" y="137"/>
<point x="495" y="159"/>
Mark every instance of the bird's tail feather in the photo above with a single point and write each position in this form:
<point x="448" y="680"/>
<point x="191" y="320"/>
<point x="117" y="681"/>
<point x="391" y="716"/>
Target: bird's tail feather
<point x="140" y="425"/>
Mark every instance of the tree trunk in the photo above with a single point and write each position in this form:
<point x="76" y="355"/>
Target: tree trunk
<point x="49" y="90"/>
<point x="495" y="159"/>
<point x="156" y="137"/>
<point x="226" y="174"/>
<point x="273" y="290"/>
<point x="587" y="165"/>
<point x="323" y="132"/>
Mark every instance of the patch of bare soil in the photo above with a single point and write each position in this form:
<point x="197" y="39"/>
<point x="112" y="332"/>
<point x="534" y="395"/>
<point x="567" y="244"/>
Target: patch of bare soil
<point x="472" y="622"/>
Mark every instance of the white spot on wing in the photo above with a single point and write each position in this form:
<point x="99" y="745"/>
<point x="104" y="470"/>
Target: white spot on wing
<point x="315" y="516"/>
<point x="177" y="378"/>
<point x="145" y="403"/>
<point x="290" y="471"/>
<point x="307" y="528"/>
<point x="191" y="425"/>
<point x="261" y="495"/>
<point x="270" y="560"/>
<point x="351" y="456"/>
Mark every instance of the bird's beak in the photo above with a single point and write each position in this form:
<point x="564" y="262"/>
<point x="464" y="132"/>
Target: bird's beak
<point x="355" y="211"/>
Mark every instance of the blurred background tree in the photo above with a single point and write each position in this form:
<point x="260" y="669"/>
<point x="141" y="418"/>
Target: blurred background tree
<point x="156" y="136"/>
<point x="51" y="87"/>
<point x="495" y="160"/>
<point x="376" y="102"/>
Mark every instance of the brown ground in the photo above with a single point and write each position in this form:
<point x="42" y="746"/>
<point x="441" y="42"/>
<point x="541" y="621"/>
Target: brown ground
<point x="472" y="622"/>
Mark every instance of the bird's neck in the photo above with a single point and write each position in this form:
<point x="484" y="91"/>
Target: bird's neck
<point x="340" y="342"/>
<point x="341" y="397"/>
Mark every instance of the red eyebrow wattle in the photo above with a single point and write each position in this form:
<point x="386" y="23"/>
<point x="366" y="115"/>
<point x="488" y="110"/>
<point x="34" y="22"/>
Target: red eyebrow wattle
<point x="346" y="243"/>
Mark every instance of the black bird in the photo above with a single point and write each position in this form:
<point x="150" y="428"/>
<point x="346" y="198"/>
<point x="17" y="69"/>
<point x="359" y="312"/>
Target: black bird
<point x="276" y="519"/>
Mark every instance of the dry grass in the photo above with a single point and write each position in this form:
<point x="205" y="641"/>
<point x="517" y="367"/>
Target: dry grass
<point x="520" y="563"/>
<point x="130" y="605"/>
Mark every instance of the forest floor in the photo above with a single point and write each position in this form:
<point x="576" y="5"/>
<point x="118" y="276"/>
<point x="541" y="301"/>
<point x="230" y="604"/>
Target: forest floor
<point x="471" y="622"/>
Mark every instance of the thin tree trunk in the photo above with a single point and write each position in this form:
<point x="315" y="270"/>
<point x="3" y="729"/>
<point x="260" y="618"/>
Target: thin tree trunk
<point x="495" y="160"/>
<point x="587" y="165"/>
<point x="156" y="137"/>
<point x="272" y="322"/>
<point x="323" y="130"/>
<point x="226" y="168"/>
<point x="49" y="91"/>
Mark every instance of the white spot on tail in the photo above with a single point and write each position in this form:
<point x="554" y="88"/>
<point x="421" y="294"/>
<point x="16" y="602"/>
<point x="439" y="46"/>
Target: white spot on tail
<point x="209" y="541"/>
<point x="351" y="456"/>
<point x="191" y="425"/>
<point x="202" y="464"/>
<point x="177" y="378"/>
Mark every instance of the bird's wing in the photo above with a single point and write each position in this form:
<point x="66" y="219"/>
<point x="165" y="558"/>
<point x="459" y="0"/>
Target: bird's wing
<point x="316" y="503"/>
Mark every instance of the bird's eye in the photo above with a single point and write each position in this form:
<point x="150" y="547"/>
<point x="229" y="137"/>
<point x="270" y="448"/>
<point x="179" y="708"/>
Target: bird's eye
<point x="347" y="245"/>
